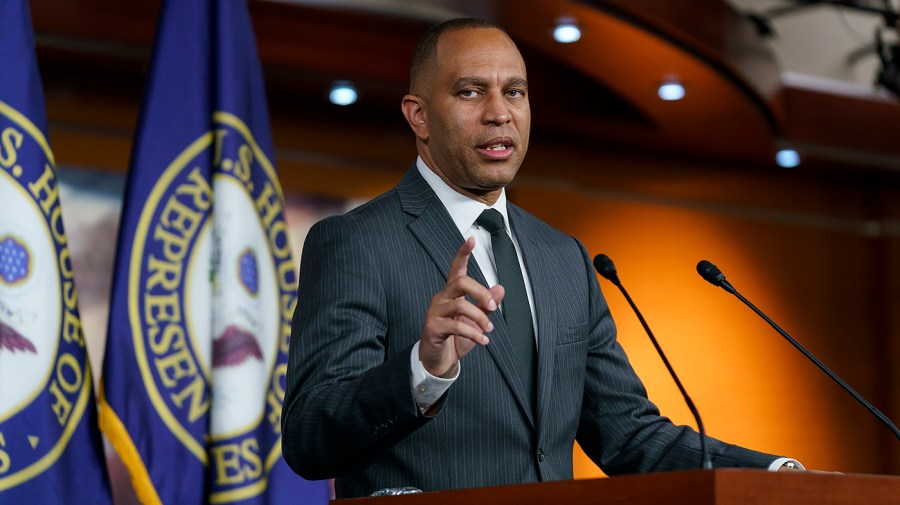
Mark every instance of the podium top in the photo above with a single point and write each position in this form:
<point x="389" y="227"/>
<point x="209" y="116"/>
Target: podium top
<point x="694" y="487"/>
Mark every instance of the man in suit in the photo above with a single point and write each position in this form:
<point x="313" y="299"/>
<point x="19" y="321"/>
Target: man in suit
<point x="445" y="338"/>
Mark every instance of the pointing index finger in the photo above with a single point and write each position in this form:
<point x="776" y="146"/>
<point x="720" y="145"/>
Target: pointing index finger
<point x="460" y="265"/>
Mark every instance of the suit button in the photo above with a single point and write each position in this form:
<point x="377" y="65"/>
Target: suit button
<point x="540" y="455"/>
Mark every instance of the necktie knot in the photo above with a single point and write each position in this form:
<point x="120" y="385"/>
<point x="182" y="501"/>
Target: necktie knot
<point x="491" y="220"/>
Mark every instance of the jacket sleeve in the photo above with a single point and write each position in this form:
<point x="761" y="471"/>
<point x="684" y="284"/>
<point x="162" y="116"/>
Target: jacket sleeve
<point x="345" y="402"/>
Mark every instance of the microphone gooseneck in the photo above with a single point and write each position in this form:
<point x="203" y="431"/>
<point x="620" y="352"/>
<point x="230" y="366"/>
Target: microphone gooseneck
<point x="714" y="276"/>
<point x="606" y="268"/>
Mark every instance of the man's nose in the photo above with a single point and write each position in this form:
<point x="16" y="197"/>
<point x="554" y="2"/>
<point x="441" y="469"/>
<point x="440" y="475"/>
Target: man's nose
<point x="496" y="110"/>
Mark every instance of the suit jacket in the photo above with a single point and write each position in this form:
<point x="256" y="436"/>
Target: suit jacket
<point x="366" y="279"/>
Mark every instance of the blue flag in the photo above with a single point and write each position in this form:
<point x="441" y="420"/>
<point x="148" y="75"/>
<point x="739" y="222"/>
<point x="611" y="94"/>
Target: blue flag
<point x="50" y="447"/>
<point x="205" y="286"/>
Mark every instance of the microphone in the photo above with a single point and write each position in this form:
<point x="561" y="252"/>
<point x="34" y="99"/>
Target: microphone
<point x="714" y="276"/>
<point x="606" y="268"/>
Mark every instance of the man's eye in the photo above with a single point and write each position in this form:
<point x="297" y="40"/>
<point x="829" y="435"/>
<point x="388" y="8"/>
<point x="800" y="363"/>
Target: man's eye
<point x="515" y="93"/>
<point x="468" y="93"/>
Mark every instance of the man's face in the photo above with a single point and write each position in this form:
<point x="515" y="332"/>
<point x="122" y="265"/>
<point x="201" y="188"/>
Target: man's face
<point x="475" y="112"/>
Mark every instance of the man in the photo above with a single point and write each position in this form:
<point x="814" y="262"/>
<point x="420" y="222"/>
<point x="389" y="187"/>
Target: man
<point x="410" y="365"/>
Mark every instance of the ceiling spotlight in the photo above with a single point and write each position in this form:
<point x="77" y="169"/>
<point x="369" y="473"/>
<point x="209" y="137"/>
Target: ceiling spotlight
<point x="342" y="93"/>
<point x="566" y="33"/>
<point x="787" y="158"/>
<point x="671" y="91"/>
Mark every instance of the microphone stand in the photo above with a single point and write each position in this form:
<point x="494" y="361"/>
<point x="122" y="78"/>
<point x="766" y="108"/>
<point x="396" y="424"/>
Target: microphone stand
<point x="607" y="269"/>
<point x="714" y="276"/>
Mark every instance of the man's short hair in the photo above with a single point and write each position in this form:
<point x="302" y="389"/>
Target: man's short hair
<point x="425" y="55"/>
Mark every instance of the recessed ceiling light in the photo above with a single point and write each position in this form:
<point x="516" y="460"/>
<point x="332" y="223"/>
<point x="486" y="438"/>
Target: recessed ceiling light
<point x="566" y="33"/>
<point x="343" y="93"/>
<point x="787" y="158"/>
<point x="671" y="91"/>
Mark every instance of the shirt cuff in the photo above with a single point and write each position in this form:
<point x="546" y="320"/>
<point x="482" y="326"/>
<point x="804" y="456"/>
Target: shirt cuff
<point x="778" y="463"/>
<point x="427" y="388"/>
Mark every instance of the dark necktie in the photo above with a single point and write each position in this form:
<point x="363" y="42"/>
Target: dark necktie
<point x="516" y="310"/>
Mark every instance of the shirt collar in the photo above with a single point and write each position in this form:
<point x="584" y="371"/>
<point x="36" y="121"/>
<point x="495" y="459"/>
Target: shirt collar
<point x="463" y="210"/>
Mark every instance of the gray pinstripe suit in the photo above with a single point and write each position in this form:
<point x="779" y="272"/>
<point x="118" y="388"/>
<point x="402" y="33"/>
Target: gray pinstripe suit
<point x="366" y="280"/>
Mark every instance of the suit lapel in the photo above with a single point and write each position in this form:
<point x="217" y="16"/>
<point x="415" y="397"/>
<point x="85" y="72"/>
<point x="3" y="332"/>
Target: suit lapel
<point x="437" y="234"/>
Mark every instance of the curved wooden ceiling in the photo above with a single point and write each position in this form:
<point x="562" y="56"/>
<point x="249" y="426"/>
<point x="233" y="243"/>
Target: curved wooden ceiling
<point x="599" y="91"/>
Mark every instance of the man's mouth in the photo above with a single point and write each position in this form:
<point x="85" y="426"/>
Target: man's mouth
<point x="497" y="149"/>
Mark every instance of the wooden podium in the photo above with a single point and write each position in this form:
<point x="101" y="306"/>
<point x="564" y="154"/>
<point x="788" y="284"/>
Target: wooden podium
<point x="696" y="487"/>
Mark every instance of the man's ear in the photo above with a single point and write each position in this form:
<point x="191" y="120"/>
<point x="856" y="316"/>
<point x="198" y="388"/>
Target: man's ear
<point x="414" y="111"/>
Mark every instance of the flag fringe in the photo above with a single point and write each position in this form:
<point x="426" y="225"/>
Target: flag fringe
<point x="118" y="437"/>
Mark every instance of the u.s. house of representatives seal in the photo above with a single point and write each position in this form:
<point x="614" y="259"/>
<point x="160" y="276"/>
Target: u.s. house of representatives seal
<point x="44" y="381"/>
<point x="212" y="286"/>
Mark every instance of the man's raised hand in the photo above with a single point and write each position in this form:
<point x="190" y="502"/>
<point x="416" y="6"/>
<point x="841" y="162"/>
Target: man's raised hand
<point x="453" y="324"/>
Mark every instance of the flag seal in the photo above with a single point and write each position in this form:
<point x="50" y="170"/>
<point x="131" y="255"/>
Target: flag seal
<point x="212" y="293"/>
<point x="49" y="372"/>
